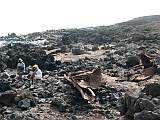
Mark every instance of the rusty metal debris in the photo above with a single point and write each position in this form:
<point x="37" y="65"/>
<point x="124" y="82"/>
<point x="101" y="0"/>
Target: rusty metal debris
<point x="146" y="60"/>
<point x="85" y="82"/>
<point x="147" y="64"/>
<point x="142" y="76"/>
<point x="52" y="51"/>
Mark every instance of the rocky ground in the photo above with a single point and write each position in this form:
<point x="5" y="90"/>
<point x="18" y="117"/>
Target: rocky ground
<point x="113" y="49"/>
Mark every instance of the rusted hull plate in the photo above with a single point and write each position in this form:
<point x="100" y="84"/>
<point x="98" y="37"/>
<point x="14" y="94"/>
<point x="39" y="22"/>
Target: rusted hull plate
<point x="145" y="75"/>
<point x="86" y="80"/>
<point x="146" y="62"/>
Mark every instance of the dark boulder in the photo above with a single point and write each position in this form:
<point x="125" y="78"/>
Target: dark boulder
<point x="66" y="40"/>
<point x="2" y="66"/>
<point x="77" y="51"/>
<point x="5" y="75"/>
<point x="22" y="95"/>
<point x="7" y="98"/>
<point x="143" y="104"/>
<point x="10" y="63"/>
<point x="153" y="89"/>
<point x="63" y="107"/>
<point x="33" y="102"/>
<point x="137" y="37"/>
<point x="146" y="115"/>
<point x="132" y="61"/>
<point x="95" y="47"/>
<point x="24" y="104"/>
<point x="126" y="104"/>
<point x="49" y="66"/>
<point x="4" y="86"/>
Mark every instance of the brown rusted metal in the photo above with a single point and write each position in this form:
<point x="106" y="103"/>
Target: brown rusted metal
<point x="136" y="67"/>
<point x="150" y="69"/>
<point x="153" y="55"/>
<point x="84" y="95"/>
<point x="133" y="77"/>
<point x="158" y="69"/>
<point x="146" y="74"/>
<point x="107" y="78"/>
<point x="86" y="80"/>
<point x="146" y="62"/>
<point x="52" y="51"/>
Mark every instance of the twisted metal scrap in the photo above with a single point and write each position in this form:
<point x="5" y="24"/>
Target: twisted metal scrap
<point x="87" y="80"/>
<point x="150" y="69"/>
<point x="142" y="76"/>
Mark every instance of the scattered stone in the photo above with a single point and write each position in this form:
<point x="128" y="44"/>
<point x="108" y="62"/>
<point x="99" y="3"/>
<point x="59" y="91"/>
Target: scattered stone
<point x="156" y="101"/>
<point x="63" y="107"/>
<point x="7" y="98"/>
<point x="5" y="75"/>
<point x="146" y="115"/>
<point x="132" y="61"/>
<point x="12" y="76"/>
<point x="24" y="104"/>
<point x="22" y="95"/>
<point x="4" y="86"/>
<point x="95" y="47"/>
<point x="153" y="89"/>
<point x="75" y="50"/>
<point x="146" y="104"/>
<point x="57" y="100"/>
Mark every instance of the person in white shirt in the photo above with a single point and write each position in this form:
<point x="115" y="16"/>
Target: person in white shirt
<point x="37" y="74"/>
<point x="20" y="68"/>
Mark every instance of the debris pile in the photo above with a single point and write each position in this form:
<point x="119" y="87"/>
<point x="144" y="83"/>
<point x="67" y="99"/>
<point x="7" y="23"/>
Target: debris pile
<point x="126" y="85"/>
<point x="141" y="106"/>
<point x="86" y="80"/>
<point x="150" y="69"/>
<point x="145" y="103"/>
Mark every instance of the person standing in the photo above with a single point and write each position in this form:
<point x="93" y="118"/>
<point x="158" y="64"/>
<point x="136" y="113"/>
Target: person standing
<point x="20" y="68"/>
<point x="37" y="74"/>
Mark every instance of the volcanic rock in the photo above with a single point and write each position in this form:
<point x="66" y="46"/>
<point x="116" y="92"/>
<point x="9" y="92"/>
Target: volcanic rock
<point x="4" y="86"/>
<point x="24" y="104"/>
<point x="146" y="115"/>
<point x="132" y="61"/>
<point x="153" y="89"/>
<point x="5" y="75"/>
<point x="7" y="98"/>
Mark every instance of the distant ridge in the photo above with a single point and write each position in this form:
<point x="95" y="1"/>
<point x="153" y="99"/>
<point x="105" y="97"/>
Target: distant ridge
<point x="141" y="20"/>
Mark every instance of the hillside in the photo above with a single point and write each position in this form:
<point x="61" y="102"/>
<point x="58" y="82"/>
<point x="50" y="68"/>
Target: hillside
<point x="142" y="28"/>
<point x="104" y="72"/>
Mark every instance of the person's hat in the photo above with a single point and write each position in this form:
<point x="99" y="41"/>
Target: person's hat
<point x="35" y="66"/>
<point x="20" y="60"/>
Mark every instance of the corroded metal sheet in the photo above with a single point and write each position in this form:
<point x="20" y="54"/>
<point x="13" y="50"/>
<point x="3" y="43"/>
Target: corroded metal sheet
<point x="145" y="60"/>
<point x="146" y="74"/>
<point x="133" y="77"/>
<point x="84" y="95"/>
<point x="150" y="69"/>
<point x="86" y="80"/>
<point x="107" y="78"/>
<point x="52" y="51"/>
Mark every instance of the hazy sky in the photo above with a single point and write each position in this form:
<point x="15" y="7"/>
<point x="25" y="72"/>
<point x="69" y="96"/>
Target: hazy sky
<point x="27" y="16"/>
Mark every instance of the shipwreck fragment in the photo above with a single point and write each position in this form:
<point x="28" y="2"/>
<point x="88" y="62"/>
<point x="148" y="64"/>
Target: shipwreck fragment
<point x="146" y="74"/>
<point x="146" y="60"/>
<point x="147" y="64"/>
<point x="87" y="80"/>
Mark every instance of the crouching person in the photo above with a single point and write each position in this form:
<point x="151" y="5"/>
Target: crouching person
<point x="37" y="74"/>
<point x="20" y="68"/>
